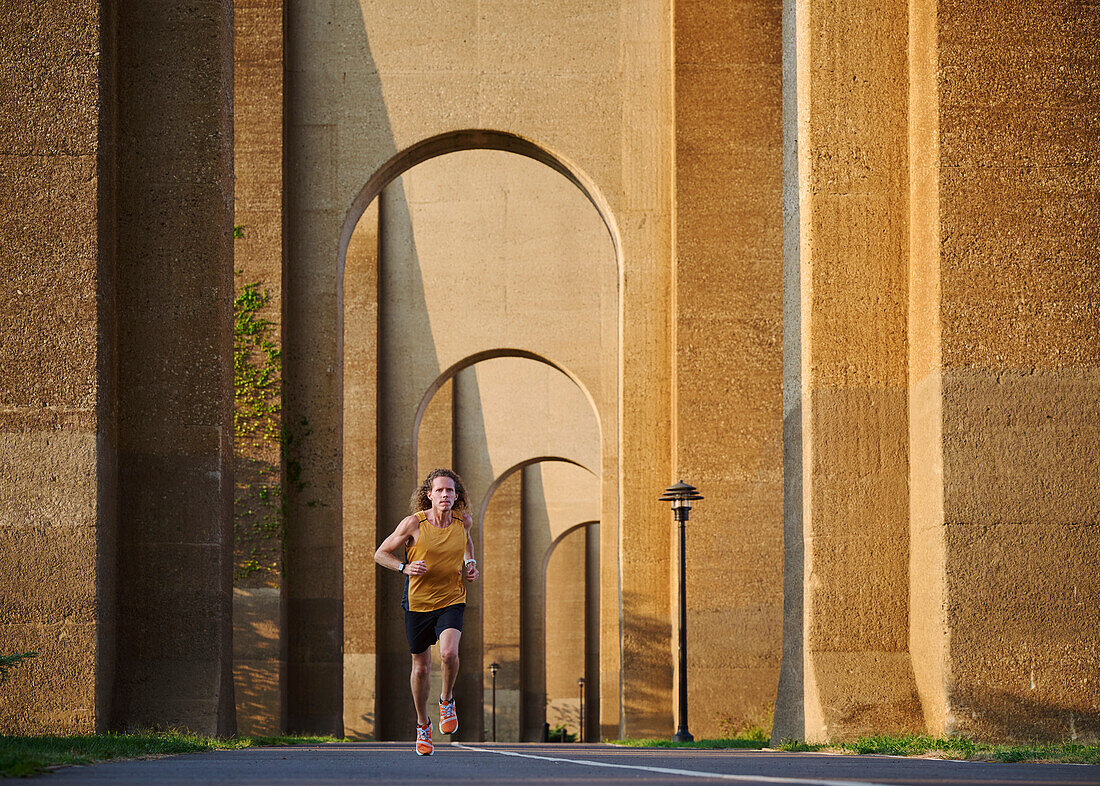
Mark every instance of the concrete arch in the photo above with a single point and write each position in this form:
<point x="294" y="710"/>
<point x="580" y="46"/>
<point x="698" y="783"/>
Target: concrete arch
<point x="403" y="428"/>
<point x="516" y="468"/>
<point x="473" y="139"/>
<point x="560" y="537"/>
<point x="490" y="354"/>
<point x="520" y="644"/>
<point x="556" y="702"/>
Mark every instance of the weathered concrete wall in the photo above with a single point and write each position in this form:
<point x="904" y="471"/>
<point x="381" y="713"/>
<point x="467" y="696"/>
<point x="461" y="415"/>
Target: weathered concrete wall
<point x="853" y="214"/>
<point x="944" y="280"/>
<point x="565" y="626"/>
<point x="175" y="365"/>
<point x="501" y="536"/>
<point x="1005" y="383"/>
<point x="259" y="644"/>
<point x="360" y="456"/>
<point x="57" y="410"/>
<point x="259" y="660"/>
<point x="726" y="403"/>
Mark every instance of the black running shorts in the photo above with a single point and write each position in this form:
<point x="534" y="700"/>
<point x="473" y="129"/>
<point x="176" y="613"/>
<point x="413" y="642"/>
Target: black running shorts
<point x="422" y="628"/>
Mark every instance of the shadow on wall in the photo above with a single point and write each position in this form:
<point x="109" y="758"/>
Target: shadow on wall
<point x="997" y="715"/>
<point x="572" y="648"/>
<point x="470" y="455"/>
<point x="645" y="631"/>
<point x="258" y="661"/>
<point x="789" y="722"/>
<point x="314" y="542"/>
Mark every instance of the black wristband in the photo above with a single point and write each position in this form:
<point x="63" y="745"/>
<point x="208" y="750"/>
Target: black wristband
<point x="401" y="567"/>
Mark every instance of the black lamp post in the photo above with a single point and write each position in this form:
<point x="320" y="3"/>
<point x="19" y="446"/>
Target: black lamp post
<point x="494" y="667"/>
<point x="681" y="496"/>
<point x="580" y="735"/>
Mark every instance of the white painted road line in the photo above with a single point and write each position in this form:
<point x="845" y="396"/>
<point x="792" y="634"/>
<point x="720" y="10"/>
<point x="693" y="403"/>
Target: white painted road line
<point x="671" y="771"/>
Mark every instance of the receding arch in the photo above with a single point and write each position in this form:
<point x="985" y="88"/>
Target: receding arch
<point x="562" y="536"/>
<point x="473" y="139"/>
<point x="414" y="416"/>
<point x="516" y="468"/>
<point x="525" y="533"/>
<point x="492" y="354"/>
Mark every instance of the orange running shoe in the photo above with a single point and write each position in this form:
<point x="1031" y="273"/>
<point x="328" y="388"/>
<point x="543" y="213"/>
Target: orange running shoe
<point x="424" y="745"/>
<point x="448" y="718"/>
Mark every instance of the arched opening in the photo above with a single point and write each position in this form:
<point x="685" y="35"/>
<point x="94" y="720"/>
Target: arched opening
<point x="459" y="257"/>
<point x="480" y="424"/>
<point x="541" y="614"/>
<point x="571" y="609"/>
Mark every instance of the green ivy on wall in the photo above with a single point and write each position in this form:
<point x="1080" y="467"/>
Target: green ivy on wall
<point x="259" y="442"/>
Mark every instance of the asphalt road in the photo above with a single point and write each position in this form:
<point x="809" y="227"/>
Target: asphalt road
<point x="488" y="763"/>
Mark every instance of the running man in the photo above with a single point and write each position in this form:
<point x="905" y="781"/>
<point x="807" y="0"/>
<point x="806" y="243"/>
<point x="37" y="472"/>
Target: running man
<point x="439" y="554"/>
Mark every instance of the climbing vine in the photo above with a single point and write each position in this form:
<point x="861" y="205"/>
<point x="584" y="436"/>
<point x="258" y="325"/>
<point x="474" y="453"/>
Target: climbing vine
<point x="259" y="499"/>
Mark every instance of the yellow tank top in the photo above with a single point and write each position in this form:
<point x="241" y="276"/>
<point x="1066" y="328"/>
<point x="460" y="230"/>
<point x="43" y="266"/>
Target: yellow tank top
<point x="443" y="550"/>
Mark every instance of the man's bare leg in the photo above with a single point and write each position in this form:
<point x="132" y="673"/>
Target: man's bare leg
<point x="420" y="681"/>
<point x="448" y="653"/>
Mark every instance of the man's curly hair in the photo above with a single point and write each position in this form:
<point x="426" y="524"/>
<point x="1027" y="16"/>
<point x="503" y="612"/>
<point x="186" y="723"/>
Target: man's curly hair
<point x="420" y="500"/>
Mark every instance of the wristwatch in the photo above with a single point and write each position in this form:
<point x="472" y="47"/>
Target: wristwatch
<point x="467" y="562"/>
<point x="401" y="567"/>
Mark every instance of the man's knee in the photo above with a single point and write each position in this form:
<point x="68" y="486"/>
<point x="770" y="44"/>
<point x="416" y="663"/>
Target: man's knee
<point x="421" y="669"/>
<point x="449" y="657"/>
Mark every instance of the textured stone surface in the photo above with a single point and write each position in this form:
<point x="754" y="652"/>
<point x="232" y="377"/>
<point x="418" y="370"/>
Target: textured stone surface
<point x="259" y="660"/>
<point x="1005" y="373"/>
<point x="501" y="531"/>
<point x="175" y="365"/>
<point x="728" y="351"/>
<point x="565" y="627"/>
<point x="56" y="418"/>
<point x="258" y="257"/>
<point x="853" y="214"/>
<point x="940" y="379"/>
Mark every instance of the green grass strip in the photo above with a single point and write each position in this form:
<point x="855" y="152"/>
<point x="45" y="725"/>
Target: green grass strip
<point x="908" y="745"/>
<point x="745" y="744"/>
<point x="21" y="756"/>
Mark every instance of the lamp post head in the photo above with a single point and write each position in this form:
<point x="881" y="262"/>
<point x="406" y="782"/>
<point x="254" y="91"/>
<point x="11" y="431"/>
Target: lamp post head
<point x="681" y="496"/>
<point x="580" y="681"/>
<point x="494" y="667"/>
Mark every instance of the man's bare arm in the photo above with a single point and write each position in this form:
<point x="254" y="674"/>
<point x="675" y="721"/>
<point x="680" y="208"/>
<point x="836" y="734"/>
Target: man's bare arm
<point x="470" y="571"/>
<point x="406" y="531"/>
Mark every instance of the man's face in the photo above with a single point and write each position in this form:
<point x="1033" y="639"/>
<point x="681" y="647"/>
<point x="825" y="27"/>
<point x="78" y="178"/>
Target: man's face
<point x="442" y="494"/>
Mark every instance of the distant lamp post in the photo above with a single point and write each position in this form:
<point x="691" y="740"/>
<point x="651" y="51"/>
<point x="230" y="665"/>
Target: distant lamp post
<point x="681" y="496"/>
<point x="494" y="667"/>
<point x="580" y="735"/>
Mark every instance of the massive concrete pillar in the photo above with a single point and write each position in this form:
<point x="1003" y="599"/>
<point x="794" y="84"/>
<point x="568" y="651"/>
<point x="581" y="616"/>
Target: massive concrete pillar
<point x="175" y="365"/>
<point x="501" y="533"/>
<point x="852" y="195"/>
<point x="58" y="420"/>
<point x="259" y="641"/>
<point x="636" y="666"/>
<point x="362" y="530"/>
<point x="728" y="357"/>
<point x="535" y="544"/>
<point x="592" y="592"/>
<point x="1005" y="313"/>
<point x="565" y="607"/>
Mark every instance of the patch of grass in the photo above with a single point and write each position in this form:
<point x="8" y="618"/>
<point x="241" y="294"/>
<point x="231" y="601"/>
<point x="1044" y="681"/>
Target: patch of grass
<point x="955" y="748"/>
<point x="960" y="748"/>
<point x="733" y="742"/>
<point x="21" y="756"/>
